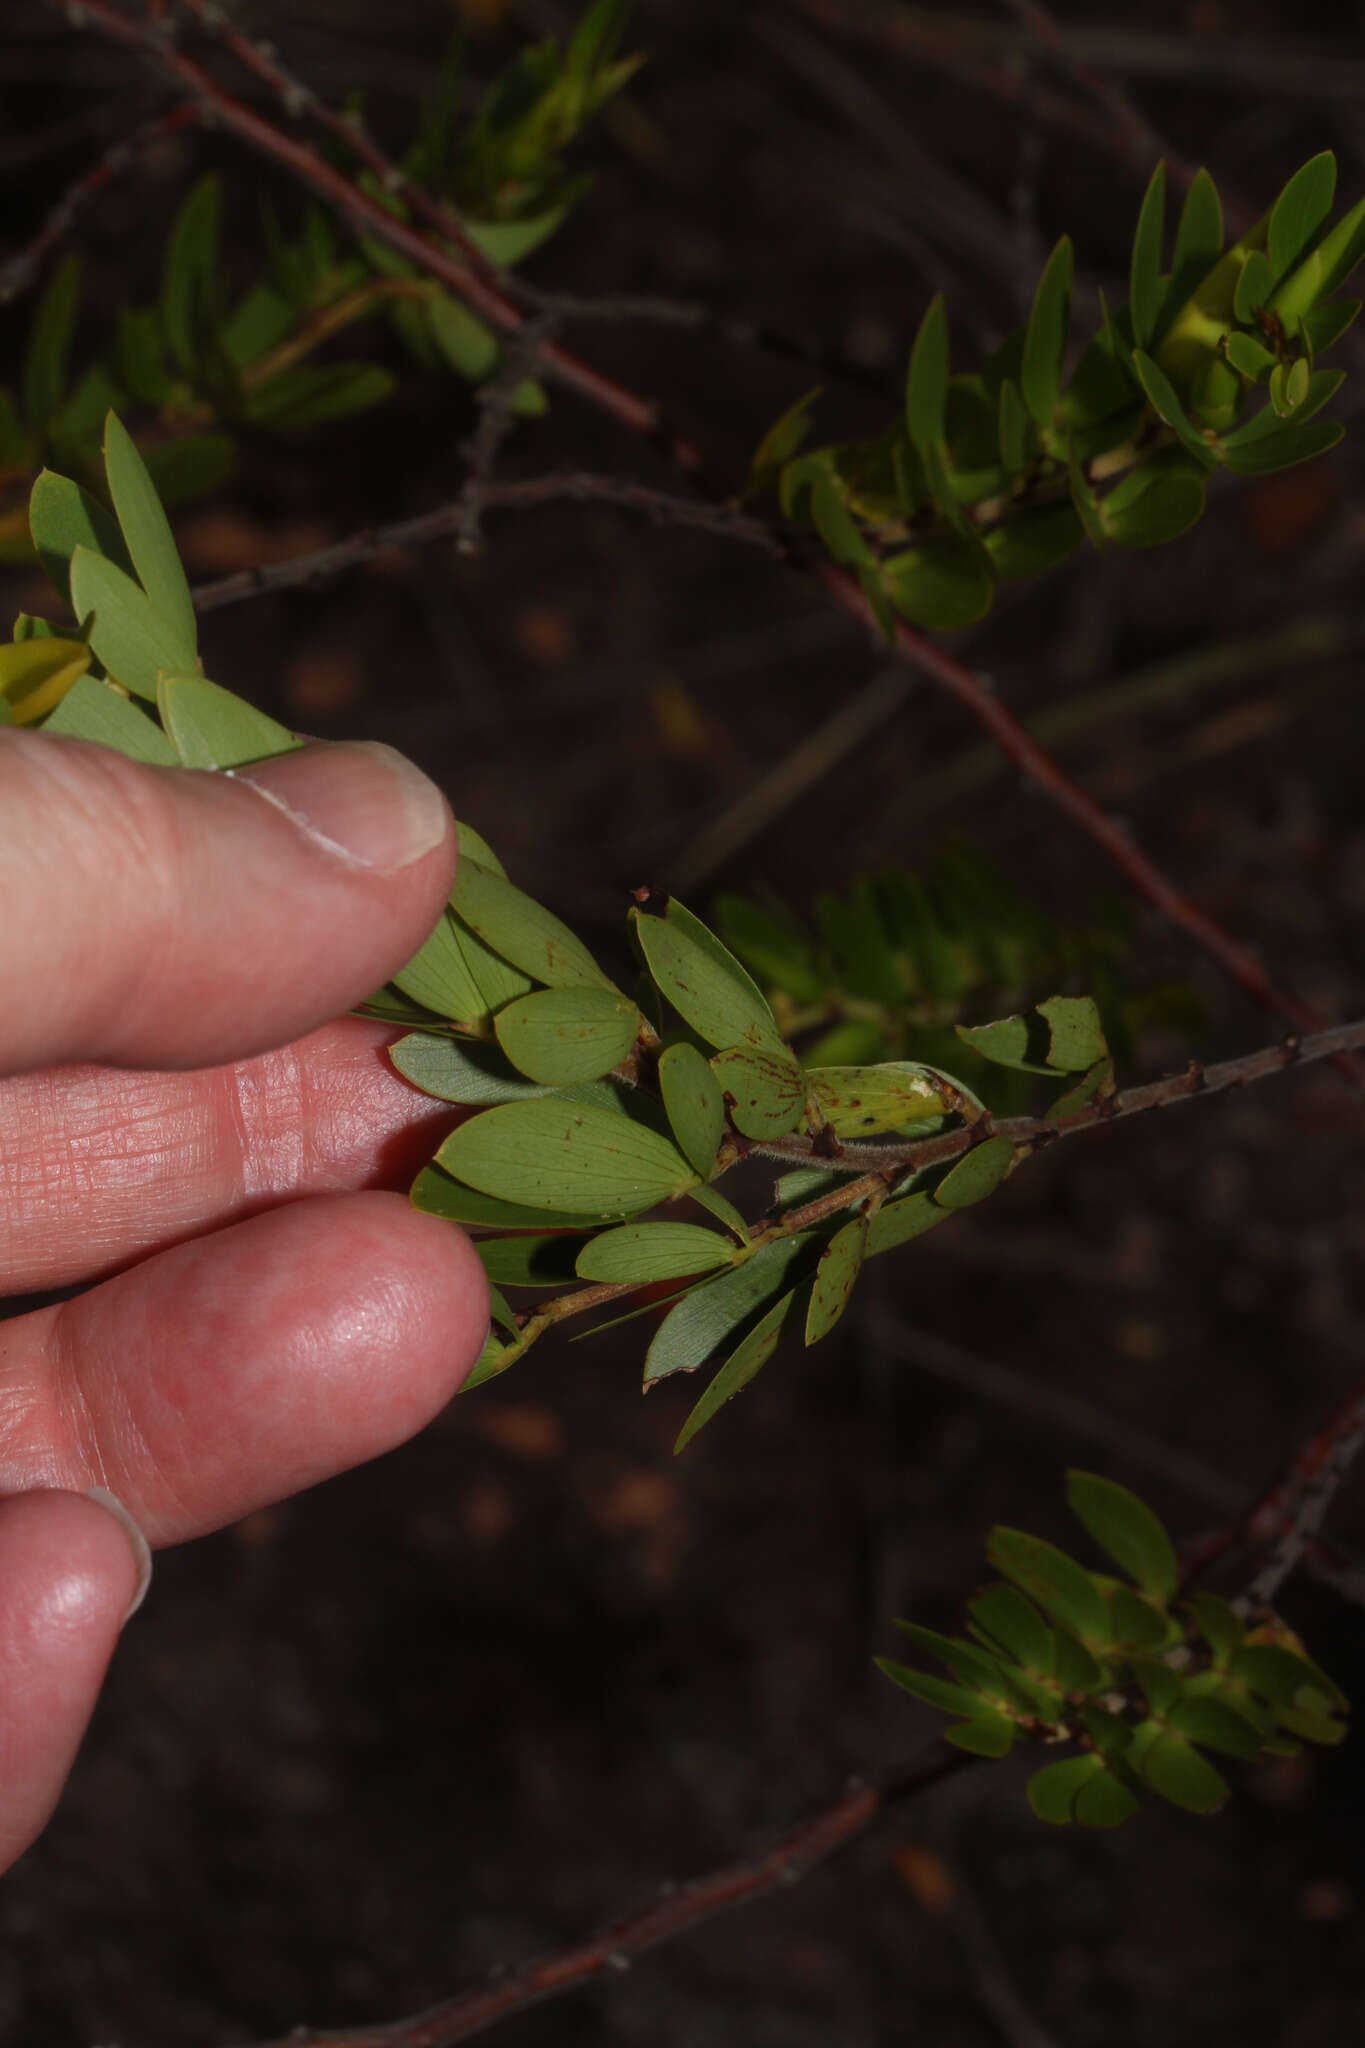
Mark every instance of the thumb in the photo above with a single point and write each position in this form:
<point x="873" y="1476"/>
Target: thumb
<point x="168" y="917"/>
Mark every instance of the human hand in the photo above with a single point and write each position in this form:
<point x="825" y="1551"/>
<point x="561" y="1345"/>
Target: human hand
<point x="266" y="1313"/>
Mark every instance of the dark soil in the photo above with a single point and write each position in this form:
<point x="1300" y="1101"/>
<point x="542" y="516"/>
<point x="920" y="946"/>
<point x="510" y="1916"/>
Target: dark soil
<point x="461" y="1707"/>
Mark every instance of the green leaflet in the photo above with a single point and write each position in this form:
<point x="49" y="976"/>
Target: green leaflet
<point x="546" y="1261"/>
<point x="750" y="1355"/>
<point x="861" y="1102"/>
<point x="437" y="1193"/>
<point x="454" y="1071"/>
<point x="943" y="583"/>
<point x="975" y="1175"/>
<point x="556" y="1155"/>
<point x="1144" y="283"/>
<point x="1126" y="1528"/>
<point x="49" y="344"/>
<point x="694" y="1104"/>
<point x="438" y="977"/>
<point x="1040" y="372"/>
<point x="211" y="728"/>
<point x="1300" y="212"/>
<point x="147" y="532"/>
<point x="703" y="981"/>
<point x="1054" y="1580"/>
<point x="516" y="926"/>
<point x="696" y="1327"/>
<point x="128" y="634"/>
<point x="1081" y="1789"/>
<point x="653" y="1251"/>
<point x="92" y="710"/>
<point x="62" y="517"/>
<point x="766" y="1091"/>
<point x="926" y="389"/>
<point x="562" y="1035"/>
<point x="840" y="1263"/>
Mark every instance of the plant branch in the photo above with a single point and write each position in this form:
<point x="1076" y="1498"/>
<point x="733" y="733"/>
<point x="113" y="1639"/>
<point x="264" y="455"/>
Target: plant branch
<point x="1285" y="1522"/>
<point x="677" y="1912"/>
<point x="299" y="99"/>
<point x="875" y="1166"/>
<point x="448" y="521"/>
<point x="18" y="272"/>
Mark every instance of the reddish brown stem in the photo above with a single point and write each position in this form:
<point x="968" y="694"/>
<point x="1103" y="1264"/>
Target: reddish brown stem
<point x="677" y="1912"/>
<point x="18" y="272"/>
<point x="1237" y="961"/>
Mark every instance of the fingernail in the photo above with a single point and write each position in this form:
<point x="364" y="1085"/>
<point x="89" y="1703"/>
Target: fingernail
<point x="137" y="1543"/>
<point x="361" y="802"/>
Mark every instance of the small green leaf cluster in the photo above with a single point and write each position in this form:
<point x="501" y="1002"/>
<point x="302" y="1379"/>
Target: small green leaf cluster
<point x="1138" y="1679"/>
<point x="209" y="362"/>
<point x="594" y="1104"/>
<point x="886" y="968"/>
<point x="1004" y="473"/>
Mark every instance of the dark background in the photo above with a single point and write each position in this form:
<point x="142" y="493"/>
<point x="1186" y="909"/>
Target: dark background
<point x="460" y="1707"/>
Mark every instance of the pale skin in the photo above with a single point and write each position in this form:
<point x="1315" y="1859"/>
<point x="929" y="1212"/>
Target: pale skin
<point x="190" y="1122"/>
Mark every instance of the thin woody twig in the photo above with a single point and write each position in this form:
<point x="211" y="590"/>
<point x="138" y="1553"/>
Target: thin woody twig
<point x="1285" y="1522"/>
<point x="1237" y="961"/>
<point x="18" y="271"/>
<point x="874" y="1165"/>
<point x="299" y="100"/>
<point x="614" y="1948"/>
<point x="448" y="521"/>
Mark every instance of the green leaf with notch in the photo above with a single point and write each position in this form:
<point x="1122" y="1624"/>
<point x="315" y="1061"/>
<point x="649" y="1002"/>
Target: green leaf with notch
<point x="693" y="1102"/>
<point x="209" y="727"/>
<point x="562" y="1035"/>
<point x="1078" y="1040"/>
<point x="147" y="532"/>
<point x="653" y="1251"/>
<point x="1126" y="1530"/>
<point x="132" y="639"/>
<point x="551" y="1154"/>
